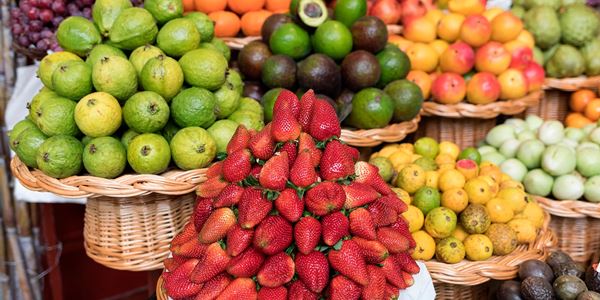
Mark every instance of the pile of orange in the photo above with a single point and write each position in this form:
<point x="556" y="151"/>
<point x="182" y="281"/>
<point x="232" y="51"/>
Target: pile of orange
<point x="231" y="16"/>
<point x="585" y="109"/>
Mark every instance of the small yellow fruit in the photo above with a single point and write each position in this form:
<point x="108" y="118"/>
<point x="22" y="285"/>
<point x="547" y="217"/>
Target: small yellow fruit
<point x="450" y="250"/>
<point x="525" y="230"/>
<point x="425" y="248"/>
<point x="492" y="183"/>
<point x="374" y="155"/>
<point x="388" y="150"/>
<point x="511" y="184"/>
<point x="499" y="211"/>
<point x="403" y="195"/>
<point x="411" y="178"/>
<point x="450" y="149"/>
<point x="444" y="159"/>
<point x="451" y="179"/>
<point x="400" y="158"/>
<point x="415" y="157"/>
<point x="534" y="213"/>
<point x="455" y="199"/>
<point x="444" y="167"/>
<point x="504" y="178"/>
<point x="408" y="147"/>
<point x="415" y="218"/>
<point x="478" y="191"/>
<point x="515" y="198"/>
<point x="478" y="247"/>
<point x="460" y="233"/>
<point x="490" y="169"/>
<point x="432" y="179"/>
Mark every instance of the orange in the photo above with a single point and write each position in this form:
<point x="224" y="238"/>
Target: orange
<point x="420" y="30"/>
<point x="279" y="6"/>
<point x="243" y="6"/>
<point x="580" y="99"/>
<point x="526" y="38"/>
<point x="448" y="28"/>
<point x="506" y="27"/>
<point x="422" y="57"/>
<point x="227" y="24"/>
<point x="209" y="6"/>
<point x="592" y="110"/>
<point x="399" y="41"/>
<point x="422" y="79"/>
<point x="577" y="120"/>
<point x="188" y="5"/>
<point x="252" y="22"/>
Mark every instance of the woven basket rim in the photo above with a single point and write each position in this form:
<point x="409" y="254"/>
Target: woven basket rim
<point x="34" y="54"/>
<point x="574" y="209"/>
<point x="573" y="83"/>
<point x="373" y="137"/>
<point x="482" y="111"/>
<point x="173" y="182"/>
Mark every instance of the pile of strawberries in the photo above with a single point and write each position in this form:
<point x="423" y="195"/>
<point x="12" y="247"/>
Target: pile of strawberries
<point x="292" y="214"/>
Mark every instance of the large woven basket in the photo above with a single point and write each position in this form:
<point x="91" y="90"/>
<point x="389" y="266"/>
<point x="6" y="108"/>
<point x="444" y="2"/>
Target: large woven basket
<point x="576" y="225"/>
<point x="554" y="106"/>
<point x="445" y="291"/>
<point x="572" y="84"/>
<point x="465" y="132"/>
<point x="373" y="137"/>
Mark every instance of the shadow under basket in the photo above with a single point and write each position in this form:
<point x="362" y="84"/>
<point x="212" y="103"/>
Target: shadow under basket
<point x="134" y="233"/>
<point x="465" y="132"/>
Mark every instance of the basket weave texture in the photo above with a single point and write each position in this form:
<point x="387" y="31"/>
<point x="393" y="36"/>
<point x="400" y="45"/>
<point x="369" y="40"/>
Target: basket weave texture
<point x="373" y="137"/>
<point x="554" y="106"/>
<point x="446" y="291"/>
<point x="572" y="84"/>
<point x="465" y="132"/>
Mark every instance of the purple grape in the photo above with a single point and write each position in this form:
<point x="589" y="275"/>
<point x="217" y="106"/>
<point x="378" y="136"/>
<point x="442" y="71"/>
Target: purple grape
<point x="23" y="40"/>
<point x="33" y="13"/>
<point x="46" y="15"/>
<point x="36" y="25"/>
<point x="34" y="36"/>
<point x="72" y="8"/>
<point x="45" y="3"/>
<point x="79" y="3"/>
<point x="87" y="12"/>
<point x="42" y="44"/>
<point x="56" y="21"/>
<point x="47" y="33"/>
<point x="17" y="29"/>
<point x="25" y="6"/>
<point x="59" y="7"/>
<point x="15" y="13"/>
<point x="88" y="3"/>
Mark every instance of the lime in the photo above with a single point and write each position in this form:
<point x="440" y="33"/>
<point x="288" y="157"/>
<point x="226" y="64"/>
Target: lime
<point x="291" y="40"/>
<point x="204" y="25"/>
<point x="268" y="101"/>
<point x="146" y="112"/>
<point x="407" y="98"/>
<point x="426" y="164"/>
<point x="115" y="75"/>
<point x="386" y="169"/>
<point x="78" y="35"/>
<point x="178" y="37"/>
<point x="371" y="108"/>
<point x="129" y="135"/>
<point x="394" y="65"/>
<point x="162" y="75"/>
<point x="141" y="55"/>
<point x="333" y="39"/>
<point x="250" y="105"/>
<point x="149" y="153"/>
<point x="470" y="153"/>
<point x="56" y="117"/>
<point x="164" y="10"/>
<point x="104" y="157"/>
<point x="427" y="147"/>
<point x="193" y="148"/>
<point x="219" y="45"/>
<point x="426" y="199"/>
<point x="134" y="27"/>
<point x="221" y="132"/>
<point x="194" y="107"/>
<point x="227" y="100"/>
<point x="204" y="68"/>
<point x="98" y="114"/>
<point x="105" y="12"/>
<point x="60" y="156"/>
<point x="27" y="144"/>
<point x="50" y="62"/>
<point x="249" y="119"/>
<point x="102" y="50"/>
<point x="42" y="96"/>
<point x="348" y="11"/>
<point x="72" y="79"/>
<point x="21" y="126"/>
<point x="170" y="130"/>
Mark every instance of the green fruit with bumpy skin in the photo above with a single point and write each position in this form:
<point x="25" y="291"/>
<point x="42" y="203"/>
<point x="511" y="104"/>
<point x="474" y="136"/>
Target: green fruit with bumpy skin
<point x="407" y="98"/>
<point x="579" y="24"/>
<point x="164" y="10"/>
<point x="204" y="68"/>
<point x="567" y="61"/>
<point x="72" y="79"/>
<point x="105" y="12"/>
<point x="249" y="119"/>
<point x="102" y="50"/>
<point x="268" y="101"/>
<point x="98" y="114"/>
<point x="592" y="61"/>
<point x="21" y="126"/>
<point x="50" y="62"/>
<point x="193" y="148"/>
<point x="42" y="96"/>
<point x="27" y="144"/>
<point x="371" y="108"/>
<point x="194" y="107"/>
<point x="77" y="35"/>
<point x="227" y="98"/>
<point x="394" y="65"/>
<point x="170" y="130"/>
<point x="221" y="132"/>
<point x="128" y="136"/>
<point x="116" y="76"/>
<point x="56" y="117"/>
<point x="146" y="112"/>
<point x="105" y="157"/>
<point x="141" y="55"/>
<point x="86" y="140"/>
<point x="348" y="11"/>
<point x="177" y="37"/>
<point x="60" y="156"/>
<point x="162" y="75"/>
<point x="219" y="45"/>
<point x="204" y="24"/>
<point x="149" y="153"/>
<point x="133" y="28"/>
<point x="543" y="23"/>
<point x="291" y="40"/>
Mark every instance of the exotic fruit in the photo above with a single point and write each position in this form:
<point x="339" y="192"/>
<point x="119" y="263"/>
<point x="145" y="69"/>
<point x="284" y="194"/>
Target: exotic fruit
<point x="290" y="213"/>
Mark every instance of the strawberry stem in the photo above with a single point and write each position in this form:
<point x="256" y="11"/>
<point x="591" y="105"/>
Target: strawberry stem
<point x="338" y="245"/>
<point x="221" y="156"/>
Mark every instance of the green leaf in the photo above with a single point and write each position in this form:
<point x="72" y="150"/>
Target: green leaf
<point x="338" y="245"/>
<point x="221" y="156"/>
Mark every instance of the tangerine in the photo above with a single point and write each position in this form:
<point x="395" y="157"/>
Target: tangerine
<point x="227" y="24"/>
<point x="577" y="120"/>
<point x="592" y="110"/>
<point x="243" y="6"/>
<point x="209" y="6"/>
<point x="252" y="22"/>
<point x="188" y="5"/>
<point x="580" y="99"/>
<point x="278" y="6"/>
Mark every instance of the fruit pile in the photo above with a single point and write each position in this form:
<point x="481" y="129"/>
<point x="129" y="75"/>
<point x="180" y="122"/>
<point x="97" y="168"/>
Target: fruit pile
<point x="557" y="278"/>
<point x="566" y="32"/>
<point x="470" y="54"/>
<point x="548" y="158"/>
<point x="292" y="211"/>
<point x="126" y="104"/>
<point x="398" y="11"/>
<point x="585" y="108"/>
<point x="458" y="209"/>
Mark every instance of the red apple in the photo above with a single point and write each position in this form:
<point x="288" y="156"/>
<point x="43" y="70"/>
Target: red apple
<point x="483" y="88"/>
<point x="458" y="58"/>
<point x="492" y="57"/>
<point x="521" y="58"/>
<point x="389" y="11"/>
<point x="449" y="88"/>
<point x="535" y="75"/>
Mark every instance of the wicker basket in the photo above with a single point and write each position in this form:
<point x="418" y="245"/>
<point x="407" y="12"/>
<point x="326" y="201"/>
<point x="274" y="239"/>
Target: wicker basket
<point x="31" y="53"/>
<point x="576" y="225"/>
<point x="483" y="111"/>
<point x="445" y="291"/>
<point x="466" y="132"/>
<point x="554" y="106"/>
<point x="572" y="84"/>
<point x="134" y="233"/>
<point x="373" y="137"/>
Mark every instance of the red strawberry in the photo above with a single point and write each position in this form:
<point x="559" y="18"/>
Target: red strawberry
<point x="239" y="140"/>
<point x="393" y="273"/>
<point x="401" y="225"/>
<point x="186" y="234"/>
<point x="361" y="224"/>
<point x="306" y="143"/>
<point x="252" y="208"/>
<point x="325" y="198"/>
<point x="238" y="239"/>
<point x="392" y="201"/>
<point x="306" y="109"/>
<point x="369" y="174"/>
<point x="262" y="144"/>
<point x="212" y="187"/>
<point x="303" y="173"/>
<point x="278" y="293"/>
<point x="373" y="251"/>
<point x="353" y="152"/>
<point x="285" y="127"/>
<point x="255" y="171"/>
<point x="298" y="291"/>
<point x="359" y="194"/>
<point x="275" y="172"/>
<point x="214" y="287"/>
<point x="172" y="263"/>
<point x="237" y="165"/>
<point x="214" y="262"/>
<point x="408" y="278"/>
<point x="217" y="225"/>
<point x="382" y="214"/>
<point x="289" y="205"/>
<point x="214" y="170"/>
<point x="349" y="261"/>
<point x="393" y="240"/>
<point x="324" y="122"/>
<point x="273" y="235"/>
<point x="334" y="227"/>
<point x="239" y="288"/>
<point x="202" y="211"/>
<point x="407" y="263"/>
<point x="342" y="288"/>
<point x="376" y="288"/>
<point x="391" y="292"/>
<point x="192" y="248"/>
<point x="286" y="101"/>
<point x="313" y="270"/>
<point x="178" y="284"/>
<point x="276" y="271"/>
<point x="231" y="195"/>
<point x="291" y="149"/>
<point x="335" y="162"/>
<point x="246" y="264"/>
<point x="307" y="234"/>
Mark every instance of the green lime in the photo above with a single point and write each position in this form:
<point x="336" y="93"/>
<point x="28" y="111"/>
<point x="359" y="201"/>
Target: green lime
<point x="105" y="12"/>
<point x="371" y="108"/>
<point x="204" y="68"/>
<point x="60" y="156"/>
<point x="162" y="75"/>
<point x="426" y="164"/>
<point x="178" y="37"/>
<point x="86" y="140"/>
<point x="164" y="10"/>
<point x="78" y="35"/>
<point x="348" y="11"/>
<point x="105" y="157"/>
<point x="248" y="104"/>
<point x="134" y="27"/>
<point x="129" y="135"/>
<point x="394" y="65"/>
<point x="146" y="112"/>
<point x="115" y="75"/>
<point x="268" y="101"/>
<point x="427" y="147"/>
<point x="50" y="62"/>
<point x="407" y="98"/>
<point x="42" y="96"/>
<point x="98" y="114"/>
<point x="219" y="45"/>
<point x="56" y="117"/>
<point x="221" y="132"/>
<point x="227" y="98"/>
<point x="170" y="130"/>
<point x="72" y="79"/>
<point x="102" y="50"/>
<point x="249" y="119"/>
<point x="470" y="153"/>
<point x="426" y="199"/>
<point x="21" y="126"/>
<point x="386" y="169"/>
<point x="193" y="148"/>
<point x="27" y="144"/>
<point x="204" y="24"/>
<point x="194" y="107"/>
<point x="291" y="40"/>
<point x="333" y="39"/>
<point x="149" y="153"/>
<point x="141" y="55"/>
